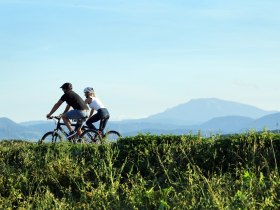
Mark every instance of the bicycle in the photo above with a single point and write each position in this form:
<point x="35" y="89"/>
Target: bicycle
<point x="99" y="136"/>
<point x="58" y="133"/>
<point x="87" y="136"/>
<point x="111" y="136"/>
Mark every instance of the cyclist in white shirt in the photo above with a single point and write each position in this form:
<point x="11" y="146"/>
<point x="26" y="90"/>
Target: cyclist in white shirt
<point x="96" y="105"/>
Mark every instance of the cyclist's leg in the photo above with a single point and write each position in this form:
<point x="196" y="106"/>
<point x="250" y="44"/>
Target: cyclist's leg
<point x="78" y="126"/>
<point x="76" y="115"/>
<point x="103" y="123"/>
<point x="66" y="119"/>
<point x="104" y="119"/>
<point x="80" y="121"/>
<point x="96" y="117"/>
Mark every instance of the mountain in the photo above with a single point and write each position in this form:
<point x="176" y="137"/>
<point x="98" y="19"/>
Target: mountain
<point x="229" y="124"/>
<point x="126" y="126"/>
<point x="11" y="130"/>
<point x="268" y="122"/>
<point x="221" y="125"/>
<point x="200" y="115"/>
<point x="198" y="111"/>
<point x="31" y="123"/>
<point x="41" y="126"/>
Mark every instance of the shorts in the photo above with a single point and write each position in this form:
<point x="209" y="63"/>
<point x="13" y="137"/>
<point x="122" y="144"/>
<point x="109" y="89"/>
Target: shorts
<point x="76" y="114"/>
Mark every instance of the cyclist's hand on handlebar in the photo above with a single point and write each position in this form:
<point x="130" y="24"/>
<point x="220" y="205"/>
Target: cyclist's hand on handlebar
<point x="48" y="116"/>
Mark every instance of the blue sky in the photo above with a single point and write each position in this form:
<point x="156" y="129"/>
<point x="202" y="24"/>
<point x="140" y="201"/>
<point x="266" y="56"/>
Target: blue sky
<point x="141" y="56"/>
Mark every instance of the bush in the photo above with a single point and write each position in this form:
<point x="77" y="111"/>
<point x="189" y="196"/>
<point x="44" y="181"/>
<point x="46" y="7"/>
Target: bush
<point x="143" y="172"/>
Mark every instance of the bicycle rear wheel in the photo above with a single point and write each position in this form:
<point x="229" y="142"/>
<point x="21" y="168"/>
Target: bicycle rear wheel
<point x="112" y="136"/>
<point x="90" y="136"/>
<point x="50" y="137"/>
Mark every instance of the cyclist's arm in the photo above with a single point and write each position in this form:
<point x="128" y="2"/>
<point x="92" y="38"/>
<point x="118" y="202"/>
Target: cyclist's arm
<point x="67" y="109"/>
<point x="55" y="107"/>
<point x="87" y="101"/>
<point x="91" y="112"/>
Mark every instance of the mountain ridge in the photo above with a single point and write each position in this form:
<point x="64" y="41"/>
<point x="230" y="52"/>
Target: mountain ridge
<point x="208" y="109"/>
<point x="224" y="117"/>
<point x="12" y="130"/>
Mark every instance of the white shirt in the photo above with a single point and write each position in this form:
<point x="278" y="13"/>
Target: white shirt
<point x="96" y="104"/>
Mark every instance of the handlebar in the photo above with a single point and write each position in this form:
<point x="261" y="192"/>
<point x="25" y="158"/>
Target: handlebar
<point x="59" y="118"/>
<point x="54" y="117"/>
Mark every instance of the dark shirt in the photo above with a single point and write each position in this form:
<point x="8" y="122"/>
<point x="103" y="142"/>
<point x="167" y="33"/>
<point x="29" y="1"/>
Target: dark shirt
<point x="74" y="100"/>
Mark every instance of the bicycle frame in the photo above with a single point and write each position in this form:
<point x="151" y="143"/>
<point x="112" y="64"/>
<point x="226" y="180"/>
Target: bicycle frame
<point x="87" y="135"/>
<point x="59" y="125"/>
<point x="59" y="128"/>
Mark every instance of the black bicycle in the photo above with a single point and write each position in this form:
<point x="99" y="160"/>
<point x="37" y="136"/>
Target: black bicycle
<point x="87" y="136"/>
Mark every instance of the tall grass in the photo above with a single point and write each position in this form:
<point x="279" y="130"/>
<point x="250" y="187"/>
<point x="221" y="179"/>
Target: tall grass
<point x="144" y="172"/>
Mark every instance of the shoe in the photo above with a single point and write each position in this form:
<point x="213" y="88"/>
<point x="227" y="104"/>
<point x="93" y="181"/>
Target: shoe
<point x="71" y="134"/>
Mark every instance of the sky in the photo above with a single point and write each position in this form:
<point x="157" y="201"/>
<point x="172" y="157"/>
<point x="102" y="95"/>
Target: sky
<point x="141" y="56"/>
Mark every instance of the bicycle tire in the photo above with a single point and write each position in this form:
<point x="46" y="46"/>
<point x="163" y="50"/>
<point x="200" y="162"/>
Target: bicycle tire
<point x="90" y="136"/>
<point x="112" y="136"/>
<point x="50" y="137"/>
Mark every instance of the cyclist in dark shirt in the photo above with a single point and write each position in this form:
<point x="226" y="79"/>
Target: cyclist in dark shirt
<point x="80" y="108"/>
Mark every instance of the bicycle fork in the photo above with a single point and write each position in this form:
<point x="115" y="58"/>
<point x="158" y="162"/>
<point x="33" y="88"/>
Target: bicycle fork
<point x="55" y="135"/>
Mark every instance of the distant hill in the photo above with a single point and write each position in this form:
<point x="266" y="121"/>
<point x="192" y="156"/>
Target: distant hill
<point x="229" y="124"/>
<point x="198" y="111"/>
<point x="127" y="126"/>
<point x="31" y="123"/>
<point x="204" y="115"/>
<point x="41" y="126"/>
<point x="269" y="122"/>
<point x="11" y="130"/>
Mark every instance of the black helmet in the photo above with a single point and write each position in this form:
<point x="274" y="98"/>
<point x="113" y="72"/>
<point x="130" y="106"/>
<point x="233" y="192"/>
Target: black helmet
<point x="67" y="86"/>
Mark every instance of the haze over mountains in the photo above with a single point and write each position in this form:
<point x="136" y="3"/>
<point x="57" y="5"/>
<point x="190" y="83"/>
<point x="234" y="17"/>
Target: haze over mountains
<point x="205" y="115"/>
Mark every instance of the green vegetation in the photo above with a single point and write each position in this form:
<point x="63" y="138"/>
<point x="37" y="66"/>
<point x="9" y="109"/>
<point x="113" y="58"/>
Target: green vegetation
<point x="144" y="172"/>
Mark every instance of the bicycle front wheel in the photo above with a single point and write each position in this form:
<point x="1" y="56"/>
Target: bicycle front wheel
<point x="90" y="136"/>
<point x="112" y="136"/>
<point x="50" y="137"/>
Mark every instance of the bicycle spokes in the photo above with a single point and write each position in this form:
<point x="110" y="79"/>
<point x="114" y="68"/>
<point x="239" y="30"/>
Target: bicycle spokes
<point x="90" y="136"/>
<point x="112" y="136"/>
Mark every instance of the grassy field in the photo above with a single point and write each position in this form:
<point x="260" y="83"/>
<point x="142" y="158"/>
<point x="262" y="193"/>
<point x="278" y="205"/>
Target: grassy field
<point x="144" y="172"/>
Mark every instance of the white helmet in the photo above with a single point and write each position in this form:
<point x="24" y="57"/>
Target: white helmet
<point x="88" y="90"/>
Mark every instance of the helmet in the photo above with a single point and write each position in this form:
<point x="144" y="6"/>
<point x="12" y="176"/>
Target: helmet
<point x="66" y="86"/>
<point x="88" y="90"/>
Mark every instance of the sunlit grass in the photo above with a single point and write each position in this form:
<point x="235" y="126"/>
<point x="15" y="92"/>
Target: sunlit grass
<point x="143" y="172"/>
